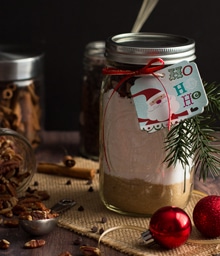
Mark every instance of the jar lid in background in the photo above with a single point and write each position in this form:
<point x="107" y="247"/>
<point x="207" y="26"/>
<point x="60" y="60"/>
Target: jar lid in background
<point x="94" y="54"/>
<point x="95" y="48"/>
<point x="140" y="48"/>
<point x="19" y="62"/>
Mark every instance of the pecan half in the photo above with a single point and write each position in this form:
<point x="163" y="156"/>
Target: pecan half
<point x="4" y="244"/>
<point x="34" y="243"/>
<point x="90" y="251"/>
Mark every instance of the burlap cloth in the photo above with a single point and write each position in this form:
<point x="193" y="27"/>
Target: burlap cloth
<point x="125" y="240"/>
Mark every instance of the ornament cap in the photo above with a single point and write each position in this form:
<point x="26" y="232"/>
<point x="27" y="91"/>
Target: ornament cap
<point x="147" y="236"/>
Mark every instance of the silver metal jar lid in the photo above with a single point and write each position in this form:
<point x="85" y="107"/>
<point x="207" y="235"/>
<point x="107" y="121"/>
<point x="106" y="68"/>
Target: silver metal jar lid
<point x="94" y="54"/>
<point x="19" y="63"/>
<point x="95" y="48"/>
<point x="140" y="48"/>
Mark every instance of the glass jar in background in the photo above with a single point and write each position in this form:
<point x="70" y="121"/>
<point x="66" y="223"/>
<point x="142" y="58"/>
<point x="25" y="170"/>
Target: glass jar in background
<point x="21" y="92"/>
<point x="134" y="180"/>
<point x="93" y="63"/>
<point x="18" y="165"/>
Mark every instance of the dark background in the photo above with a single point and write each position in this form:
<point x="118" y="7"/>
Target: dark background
<point x="63" y="28"/>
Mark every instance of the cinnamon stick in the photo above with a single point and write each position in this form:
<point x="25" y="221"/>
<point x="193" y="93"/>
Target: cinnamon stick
<point x="58" y="169"/>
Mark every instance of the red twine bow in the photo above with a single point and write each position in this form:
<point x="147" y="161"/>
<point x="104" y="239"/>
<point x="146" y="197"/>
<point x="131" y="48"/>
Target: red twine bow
<point x="146" y="70"/>
<point x="149" y="69"/>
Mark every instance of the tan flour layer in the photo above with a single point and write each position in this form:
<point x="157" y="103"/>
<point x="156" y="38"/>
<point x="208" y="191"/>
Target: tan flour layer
<point x="140" y="197"/>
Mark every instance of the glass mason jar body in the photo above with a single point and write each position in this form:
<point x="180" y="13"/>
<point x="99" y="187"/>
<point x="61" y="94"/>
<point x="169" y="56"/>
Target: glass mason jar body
<point x="18" y="165"/>
<point x="21" y="92"/>
<point x="93" y="63"/>
<point x="134" y="179"/>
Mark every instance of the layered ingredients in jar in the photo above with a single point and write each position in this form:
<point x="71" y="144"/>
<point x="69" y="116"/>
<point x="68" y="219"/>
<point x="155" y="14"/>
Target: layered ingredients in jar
<point x="134" y="178"/>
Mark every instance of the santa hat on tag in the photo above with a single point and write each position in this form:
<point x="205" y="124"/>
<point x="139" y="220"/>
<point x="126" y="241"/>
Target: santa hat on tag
<point x="150" y="93"/>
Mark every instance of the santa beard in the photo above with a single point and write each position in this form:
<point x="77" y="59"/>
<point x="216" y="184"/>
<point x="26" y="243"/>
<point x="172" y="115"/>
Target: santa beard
<point x="160" y="112"/>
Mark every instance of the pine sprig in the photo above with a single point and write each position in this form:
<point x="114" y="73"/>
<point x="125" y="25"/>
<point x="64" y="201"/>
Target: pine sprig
<point x="211" y="112"/>
<point x="192" y="139"/>
<point x="205" y="154"/>
<point x="178" y="145"/>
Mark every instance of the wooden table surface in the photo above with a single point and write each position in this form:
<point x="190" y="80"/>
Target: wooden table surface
<point x="60" y="239"/>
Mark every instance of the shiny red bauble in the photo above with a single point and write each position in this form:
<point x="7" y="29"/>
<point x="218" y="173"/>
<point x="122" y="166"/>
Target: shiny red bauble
<point x="206" y="216"/>
<point x="170" y="227"/>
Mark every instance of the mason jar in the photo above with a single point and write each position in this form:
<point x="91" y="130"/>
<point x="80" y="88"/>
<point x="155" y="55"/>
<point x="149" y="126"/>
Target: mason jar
<point x="134" y="179"/>
<point x="93" y="63"/>
<point x="18" y="165"/>
<point x="21" y="91"/>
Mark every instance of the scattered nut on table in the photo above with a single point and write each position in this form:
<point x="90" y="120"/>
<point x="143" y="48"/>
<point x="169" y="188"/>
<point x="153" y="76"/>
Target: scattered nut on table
<point x="4" y="244"/>
<point x="34" y="243"/>
<point x="90" y="251"/>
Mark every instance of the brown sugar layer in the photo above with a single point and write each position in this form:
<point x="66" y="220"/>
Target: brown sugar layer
<point x="140" y="197"/>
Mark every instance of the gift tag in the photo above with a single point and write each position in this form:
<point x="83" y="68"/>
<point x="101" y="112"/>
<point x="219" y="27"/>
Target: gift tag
<point x="176" y="93"/>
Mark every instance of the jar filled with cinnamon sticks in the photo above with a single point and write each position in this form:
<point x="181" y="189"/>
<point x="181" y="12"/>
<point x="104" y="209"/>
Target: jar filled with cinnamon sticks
<point x="21" y="92"/>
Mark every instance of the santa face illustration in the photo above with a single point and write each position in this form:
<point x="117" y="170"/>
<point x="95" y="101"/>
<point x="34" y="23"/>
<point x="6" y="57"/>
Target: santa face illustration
<point x="154" y="105"/>
<point x="158" y="105"/>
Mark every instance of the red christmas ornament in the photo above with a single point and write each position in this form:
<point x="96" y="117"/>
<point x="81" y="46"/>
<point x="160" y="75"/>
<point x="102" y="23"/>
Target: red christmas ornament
<point x="169" y="226"/>
<point x="206" y="216"/>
